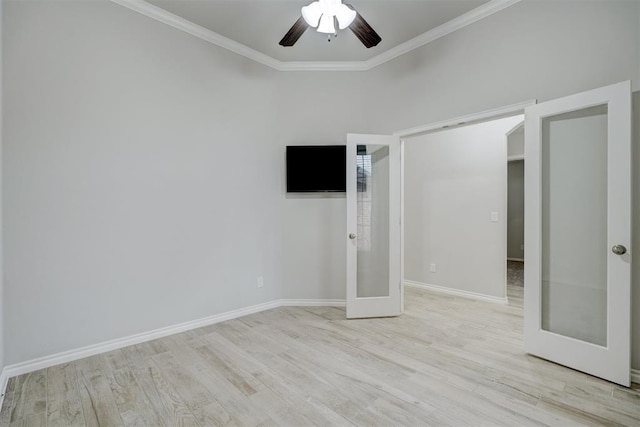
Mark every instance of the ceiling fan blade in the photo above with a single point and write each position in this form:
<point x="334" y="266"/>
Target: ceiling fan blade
<point x="294" y="33"/>
<point x="364" y="31"/>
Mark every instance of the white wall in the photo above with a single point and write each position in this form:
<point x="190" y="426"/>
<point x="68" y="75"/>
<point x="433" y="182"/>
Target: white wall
<point x="143" y="177"/>
<point x="454" y="180"/>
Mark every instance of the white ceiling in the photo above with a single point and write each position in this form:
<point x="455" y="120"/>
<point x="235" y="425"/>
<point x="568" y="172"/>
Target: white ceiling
<point x="260" y="24"/>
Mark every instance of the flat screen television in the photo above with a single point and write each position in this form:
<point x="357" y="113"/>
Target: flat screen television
<point x="316" y="168"/>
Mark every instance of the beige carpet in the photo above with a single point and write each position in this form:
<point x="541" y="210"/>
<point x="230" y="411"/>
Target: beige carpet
<point x="515" y="273"/>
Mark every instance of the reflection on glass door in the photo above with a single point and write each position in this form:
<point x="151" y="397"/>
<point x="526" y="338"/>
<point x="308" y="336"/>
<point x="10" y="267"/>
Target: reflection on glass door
<point x="374" y="229"/>
<point x="373" y="220"/>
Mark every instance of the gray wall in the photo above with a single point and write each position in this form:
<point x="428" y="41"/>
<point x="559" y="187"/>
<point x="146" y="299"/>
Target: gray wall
<point x="496" y="62"/>
<point x="515" y="210"/>
<point x="454" y="180"/>
<point x="515" y="206"/>
<point x="314" y="226"/>
<point x="124" y="193"/>
<point x="515" y="143"/>
<point x="142" y="177"/>
<point x="492" y="63"/>
<point x="151" y="190"/>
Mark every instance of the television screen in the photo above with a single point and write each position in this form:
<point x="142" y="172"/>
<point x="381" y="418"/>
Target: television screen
<point x="315" y="168"/>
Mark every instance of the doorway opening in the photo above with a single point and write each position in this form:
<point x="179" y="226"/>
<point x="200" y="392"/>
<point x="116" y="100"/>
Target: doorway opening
<point x="456" y="210"/>
<point x="515" y="213"/>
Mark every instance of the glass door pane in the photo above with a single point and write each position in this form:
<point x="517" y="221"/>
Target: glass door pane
<point x="372" y="221"/>
<point x="574" y="224"/>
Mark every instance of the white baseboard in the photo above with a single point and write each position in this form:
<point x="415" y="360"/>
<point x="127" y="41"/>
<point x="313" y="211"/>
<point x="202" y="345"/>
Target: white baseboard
<point x="456" y="292"/>
<point x="91" y="350"/>
<point x="516" y="259"/>
<point x="635" y="376"/>
<point x="313" y="303"/>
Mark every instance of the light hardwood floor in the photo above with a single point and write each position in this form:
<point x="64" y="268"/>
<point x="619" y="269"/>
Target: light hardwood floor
<point x="447" y="361"/>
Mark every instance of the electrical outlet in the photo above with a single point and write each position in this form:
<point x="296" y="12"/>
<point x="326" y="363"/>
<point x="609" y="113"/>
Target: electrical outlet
<point x="432" y="268"/>
<point x="494" y="216"/>
<point x="522" y="247"/>
<point x="260" y="281"/>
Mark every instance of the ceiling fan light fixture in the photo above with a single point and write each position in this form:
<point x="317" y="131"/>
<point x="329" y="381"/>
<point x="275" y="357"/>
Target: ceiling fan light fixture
<point x="327" y="25"/>
<point x="312" y="13"/>
<point x="323" y="14"/>
<point x="345" y="16"/>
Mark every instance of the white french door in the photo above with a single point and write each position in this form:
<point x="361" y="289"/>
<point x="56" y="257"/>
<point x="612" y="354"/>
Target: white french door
<point x="577" y="292"/>
<point x="374" y="230"/>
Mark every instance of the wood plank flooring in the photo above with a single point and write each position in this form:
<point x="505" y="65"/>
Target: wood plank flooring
<point x="447" y="361"/>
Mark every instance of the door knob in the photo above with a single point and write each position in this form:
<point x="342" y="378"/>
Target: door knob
<point x="618" y="249"/>
<point x="352" y="236"/>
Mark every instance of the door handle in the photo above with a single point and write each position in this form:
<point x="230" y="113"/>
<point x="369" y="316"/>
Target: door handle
<point x="352" y="236"/>
<point x="618" y="249"/>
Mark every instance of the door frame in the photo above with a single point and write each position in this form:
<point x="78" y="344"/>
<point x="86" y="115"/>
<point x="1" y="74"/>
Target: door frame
<point x="470" y="119"/>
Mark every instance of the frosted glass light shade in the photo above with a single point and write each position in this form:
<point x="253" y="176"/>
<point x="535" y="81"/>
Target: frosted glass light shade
<point x="345" y="16"/>
<point x="312" y="13"/>
<point x="321" y="14"/>
<point x="326" y="24"/>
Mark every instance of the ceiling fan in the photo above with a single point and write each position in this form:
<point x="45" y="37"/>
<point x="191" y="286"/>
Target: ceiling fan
<point x="324" y="14"/>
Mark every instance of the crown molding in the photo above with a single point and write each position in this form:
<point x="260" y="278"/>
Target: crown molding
<point x="323" y="66"/>
<point x="175" y="21"/>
